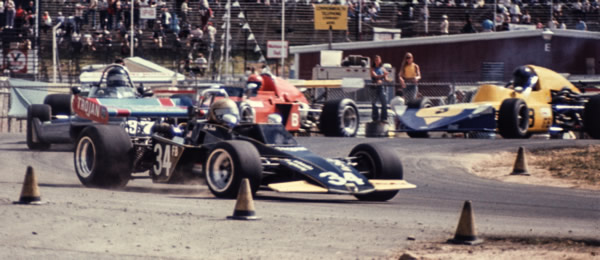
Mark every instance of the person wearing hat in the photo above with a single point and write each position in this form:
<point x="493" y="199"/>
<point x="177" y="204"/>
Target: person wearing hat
<point x="444" y="25"/>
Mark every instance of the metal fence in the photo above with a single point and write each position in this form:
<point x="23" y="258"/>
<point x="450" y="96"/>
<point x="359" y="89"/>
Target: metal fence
<point x="8" y="124"/>
<point x="439" y="93"/>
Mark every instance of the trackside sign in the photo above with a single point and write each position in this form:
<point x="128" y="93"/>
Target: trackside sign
<point x="335" y="16"/>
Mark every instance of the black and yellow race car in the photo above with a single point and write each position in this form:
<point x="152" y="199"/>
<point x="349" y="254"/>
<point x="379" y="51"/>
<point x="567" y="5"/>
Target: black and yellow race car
<point x="538" y="100"/>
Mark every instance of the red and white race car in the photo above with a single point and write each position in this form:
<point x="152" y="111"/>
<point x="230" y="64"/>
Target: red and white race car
<point x="266" y="95"/>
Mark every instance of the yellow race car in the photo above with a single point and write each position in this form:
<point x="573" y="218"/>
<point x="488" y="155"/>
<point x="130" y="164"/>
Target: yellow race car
<point x="537" y="100"/>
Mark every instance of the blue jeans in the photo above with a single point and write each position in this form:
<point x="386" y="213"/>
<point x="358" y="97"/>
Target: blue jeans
<point x="381" y="96"/>
<point x="91" y="12"/>
<point x="10" y="18"/>
<point x="410" y="92"/>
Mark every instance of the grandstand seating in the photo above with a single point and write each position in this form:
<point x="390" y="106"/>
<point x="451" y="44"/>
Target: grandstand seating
<point x="265" y="24"/>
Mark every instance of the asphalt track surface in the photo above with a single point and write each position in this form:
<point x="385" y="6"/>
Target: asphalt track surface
<point x="146" y="220"/>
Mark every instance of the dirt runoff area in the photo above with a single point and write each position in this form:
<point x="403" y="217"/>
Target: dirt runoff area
<point x="577" y="168"/>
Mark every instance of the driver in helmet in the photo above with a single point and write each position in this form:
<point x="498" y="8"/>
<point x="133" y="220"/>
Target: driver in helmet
<point x="224" y="112"/>
<point x="117" y="84"/>
<point x="253" y="83"/>
<point x="524" y="80"/>
<point x="116" y="77"/>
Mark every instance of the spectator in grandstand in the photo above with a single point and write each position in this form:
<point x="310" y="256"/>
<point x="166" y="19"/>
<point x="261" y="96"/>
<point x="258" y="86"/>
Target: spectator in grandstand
<point x="581" y="25"/>
<point x="166" y="18"/>
<point x="487" y="25"/>
<point x="19" y="17"/>
<point x="126" y="12"/>
<point x="88" y="42"/>
<point x="118" y="7"/>
<point x="103" y="13"/>
<point x="409" y="77"/>
<point x="538" y="24"/>
<point x="158" y="35"/>
<point x="91" y="11"/>
<point x="372" y="12"/>
<point x="515" y="13"/>
<point x="526" y="18"/>
<point x="60" y="18"/>
<point x="136" y="13"/>
<point x="76" y="42"/>
<point x="562" y="25"/>
<point x="184" y="11"/>
<point x="202" y="64"/>
<point x="30" y="7"/>
<point x="30" y="20"/>
<point x="553" y="24"/>
<point x="185" y="33"/>
<point x="196" y="37"/>
<point x="444" y="25"/>
<point x="212" y="32"/>
<point x="205" y="14"/>
<point x="2" y="16"/>
<point x="10" y="13"/>
<point x="122" y="30"/>
<point x="468" y="27"/>
<point x="46" y="22"/>
<point x="79" y="9"/>
<point x="379" y="76"/>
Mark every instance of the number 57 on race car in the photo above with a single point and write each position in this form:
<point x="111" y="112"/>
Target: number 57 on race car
<point x="223" y="153"/>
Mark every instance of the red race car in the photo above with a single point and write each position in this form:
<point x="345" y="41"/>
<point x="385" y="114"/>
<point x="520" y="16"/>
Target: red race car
<point x="266" y="97"/>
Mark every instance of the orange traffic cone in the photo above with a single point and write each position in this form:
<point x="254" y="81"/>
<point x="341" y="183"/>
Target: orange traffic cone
<point x="465" y="232"/>
<point x="30" y="193"/>
<point x="520" y="167"/>
<point x="244" y="206"/>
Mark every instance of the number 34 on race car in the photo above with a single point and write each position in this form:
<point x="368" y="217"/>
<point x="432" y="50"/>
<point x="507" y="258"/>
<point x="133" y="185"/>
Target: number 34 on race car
<point x="166" y="159"/>
<point x="335" y="179"/>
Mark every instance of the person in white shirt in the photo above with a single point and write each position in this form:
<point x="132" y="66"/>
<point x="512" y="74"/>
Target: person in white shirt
<point x="202" y="64"/>
<point x="2" y="17"/>
<point x="10" y="13"/>
<point x="444" y="25"/>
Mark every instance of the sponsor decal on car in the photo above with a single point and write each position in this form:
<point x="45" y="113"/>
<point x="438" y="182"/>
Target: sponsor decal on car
<point x="89" y="109"/>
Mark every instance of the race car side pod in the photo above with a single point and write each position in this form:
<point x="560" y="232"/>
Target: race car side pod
<point x="465" y="232"/>
<point x="520" y="167"/>
<point x="30" y="194"/>
<point x="244" y="206"/>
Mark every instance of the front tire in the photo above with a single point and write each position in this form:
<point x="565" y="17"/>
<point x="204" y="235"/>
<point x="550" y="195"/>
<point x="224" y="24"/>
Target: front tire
<point x="102" y="156"/>
<point x="513" y="119"/>
<point x="43" y="113"/>
<point x="228" y="163"/>
<point x="339" y="118"/>
<point x="591" y="124"/>
<point x="376" y="161"/>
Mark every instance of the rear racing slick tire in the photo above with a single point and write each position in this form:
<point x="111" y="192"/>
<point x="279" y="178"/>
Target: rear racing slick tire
<point x="513" y="119"/>
<point x="43" y="113"/>
<point x="376" y="161"/>
<point x="228" y="163"/>
<point x="418" y="103"/>
<point x="339" y="118"/>
<point x="60" y="103"/>
<point x="591" y="112"/>
<point x="102" y="156"/>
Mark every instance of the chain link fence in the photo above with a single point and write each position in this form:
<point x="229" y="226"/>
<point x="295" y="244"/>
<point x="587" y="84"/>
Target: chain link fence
<point x="439" y="93"/>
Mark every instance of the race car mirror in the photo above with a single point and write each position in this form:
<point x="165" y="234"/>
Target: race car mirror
<point x="274" y="119"/>
<point x="75" y="90"/>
